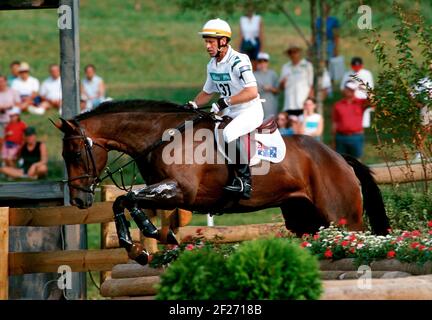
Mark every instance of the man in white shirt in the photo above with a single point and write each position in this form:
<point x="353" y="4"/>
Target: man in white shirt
<point x="359" y="72"/>
<point x="27" y="87"/>
<point x="296" y="80"/>
<point x="229" y="74"/>
<point x="51" y="90"/>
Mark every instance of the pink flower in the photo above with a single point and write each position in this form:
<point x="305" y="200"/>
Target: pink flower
<point x="328" y="254"/>
<point x="342" y="221"/>
<point x="316" y="236"/>
<point x="190" y="246"/>
<point x="305" y="235"/>
<point x="391" y="254"/>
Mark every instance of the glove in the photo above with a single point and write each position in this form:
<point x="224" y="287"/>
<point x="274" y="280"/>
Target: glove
<point x="219" y="105"/>
<point x="190" y="105"/>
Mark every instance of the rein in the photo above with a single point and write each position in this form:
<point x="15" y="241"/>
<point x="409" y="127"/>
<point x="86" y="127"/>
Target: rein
<point x="92" y="172"/>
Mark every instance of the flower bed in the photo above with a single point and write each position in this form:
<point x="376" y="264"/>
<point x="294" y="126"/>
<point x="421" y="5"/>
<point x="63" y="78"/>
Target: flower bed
<point x="332" y="243"/>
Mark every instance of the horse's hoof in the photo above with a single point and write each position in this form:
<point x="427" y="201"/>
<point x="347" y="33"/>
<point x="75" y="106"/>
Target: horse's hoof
<point x="171" y="238"/>
<point x="139" y="254"/>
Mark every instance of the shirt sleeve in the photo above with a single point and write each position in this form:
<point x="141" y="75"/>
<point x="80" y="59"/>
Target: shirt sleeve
<point x="242" y="68"/>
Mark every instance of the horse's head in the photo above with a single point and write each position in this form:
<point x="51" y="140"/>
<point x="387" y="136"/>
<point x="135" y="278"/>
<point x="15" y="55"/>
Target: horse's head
<point x="84" y="163"/>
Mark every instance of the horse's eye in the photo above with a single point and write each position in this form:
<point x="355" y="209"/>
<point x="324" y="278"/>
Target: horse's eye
<point x="73" y="156"/>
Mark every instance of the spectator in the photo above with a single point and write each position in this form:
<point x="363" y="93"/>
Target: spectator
<point x="51" y="90"/>
<point x="297" y="81"/>
<point x="8" y="99"/>
<point x="267" y="81"/>
<point x="251" y="34"/>
<point x="93" y="87"/>
<point x="312" y="123"/>
<point x="14" y="72"/>
<point x="27" y="87"/>
<point x="364" y="75"/>
<point x="286" y="124"/>
<point x="347" y="119"/>
<point x="332" y="33"/>
<point x="14" y="137"/>
<point x="33" y="158"/>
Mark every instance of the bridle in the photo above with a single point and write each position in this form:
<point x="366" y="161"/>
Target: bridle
<point x="91" y="169"/>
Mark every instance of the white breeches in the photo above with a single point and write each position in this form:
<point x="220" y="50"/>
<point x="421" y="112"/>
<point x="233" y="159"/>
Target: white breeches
<point x="246" y="118"/>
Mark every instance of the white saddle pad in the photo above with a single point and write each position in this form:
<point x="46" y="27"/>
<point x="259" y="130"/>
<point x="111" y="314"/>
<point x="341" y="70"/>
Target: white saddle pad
<point x="269" y="146"/>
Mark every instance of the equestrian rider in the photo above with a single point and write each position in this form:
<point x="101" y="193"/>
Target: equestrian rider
<point x="230" y="74"/>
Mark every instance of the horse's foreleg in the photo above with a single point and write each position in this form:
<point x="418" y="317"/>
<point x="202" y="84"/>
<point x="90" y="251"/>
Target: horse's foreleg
<point x="135" y="250"/>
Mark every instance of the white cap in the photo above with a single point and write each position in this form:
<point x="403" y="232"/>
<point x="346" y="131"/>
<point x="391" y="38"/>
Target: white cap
<point x="14" y="110"/>
<point x="351" y="85"/>
<point x="263" y="56"/>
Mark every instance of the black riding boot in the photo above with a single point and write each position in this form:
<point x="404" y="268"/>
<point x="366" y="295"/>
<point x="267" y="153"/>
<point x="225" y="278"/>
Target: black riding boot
<point x="241" y="184"/>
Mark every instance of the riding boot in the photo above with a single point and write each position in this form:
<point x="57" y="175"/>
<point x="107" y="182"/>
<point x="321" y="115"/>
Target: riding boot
<point x="241" y="184"/>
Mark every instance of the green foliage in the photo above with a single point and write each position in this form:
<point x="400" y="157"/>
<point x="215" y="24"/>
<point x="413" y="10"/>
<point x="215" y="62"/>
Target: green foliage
<point x="273" y="269"/>
<point x="407" y="209"/>
<point x="196" y="275"/>
<point x="397" y="94"/>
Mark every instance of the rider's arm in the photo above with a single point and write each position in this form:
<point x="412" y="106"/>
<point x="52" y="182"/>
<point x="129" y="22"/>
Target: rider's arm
<point x="203" y="98"/>
<point x="246" y="95"/>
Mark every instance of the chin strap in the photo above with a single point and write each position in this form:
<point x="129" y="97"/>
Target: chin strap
<point x="219" y="48"/>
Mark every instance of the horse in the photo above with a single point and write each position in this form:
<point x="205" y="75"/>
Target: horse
<point x="313" y="185"/>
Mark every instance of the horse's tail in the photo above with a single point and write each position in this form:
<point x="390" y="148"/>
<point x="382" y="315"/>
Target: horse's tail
<point x="372" y="199"/>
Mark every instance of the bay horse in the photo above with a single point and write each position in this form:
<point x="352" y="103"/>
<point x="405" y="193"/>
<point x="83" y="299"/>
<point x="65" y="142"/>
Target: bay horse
<point x="313" y="185"/>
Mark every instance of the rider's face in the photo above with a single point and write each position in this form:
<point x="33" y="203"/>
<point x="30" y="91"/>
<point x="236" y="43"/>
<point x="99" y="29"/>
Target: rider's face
<point x="212" y="45"/>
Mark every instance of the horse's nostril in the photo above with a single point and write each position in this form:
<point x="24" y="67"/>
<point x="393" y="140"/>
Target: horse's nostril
<point x="78" y="202"/>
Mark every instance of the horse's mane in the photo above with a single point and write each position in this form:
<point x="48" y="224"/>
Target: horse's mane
<point x="120" y="106"/>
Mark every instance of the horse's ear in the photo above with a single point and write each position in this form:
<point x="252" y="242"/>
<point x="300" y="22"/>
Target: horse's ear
<point x="58" y="125"/>
<point x="65" y="125"/>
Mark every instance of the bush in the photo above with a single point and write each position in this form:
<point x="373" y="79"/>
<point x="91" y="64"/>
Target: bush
<point x="273" y="269"/>
<point x="195" y="275"/>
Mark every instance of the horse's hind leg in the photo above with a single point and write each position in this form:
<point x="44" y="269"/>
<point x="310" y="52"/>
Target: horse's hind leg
<point x="301" y="216"/>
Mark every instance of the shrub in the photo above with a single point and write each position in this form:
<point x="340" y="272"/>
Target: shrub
<point x="273" y="269"/>
<point x="195" y="275"/>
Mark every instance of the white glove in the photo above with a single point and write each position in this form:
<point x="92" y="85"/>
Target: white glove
<point x="193" y="104"/>
<point x="214" y="108"/>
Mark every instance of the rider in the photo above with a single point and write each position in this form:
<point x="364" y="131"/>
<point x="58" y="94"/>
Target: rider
<point x="230" y="74"/>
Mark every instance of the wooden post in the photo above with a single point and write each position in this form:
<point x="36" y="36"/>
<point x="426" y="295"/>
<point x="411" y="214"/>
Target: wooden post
<point x="75" y="236"/>
<point x="4" y="253"/>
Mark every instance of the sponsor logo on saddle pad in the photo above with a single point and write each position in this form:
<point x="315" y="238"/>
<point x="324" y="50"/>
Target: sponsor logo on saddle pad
<point x="269" y="152"/>
<point x="220" y="76"/>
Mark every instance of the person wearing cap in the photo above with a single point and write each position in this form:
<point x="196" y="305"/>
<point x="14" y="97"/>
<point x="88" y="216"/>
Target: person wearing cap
<point x="33" y="158"/>
<point x="358" y="71"/>
<point x="296" y="80"/>
<point x="27" y="87"/>
<point x="8" y="99"/>
<point x="268" y="83"/>
<point x="14" y="137"/>
<point x="347" y="118"/>
<point x="230" y="75"/>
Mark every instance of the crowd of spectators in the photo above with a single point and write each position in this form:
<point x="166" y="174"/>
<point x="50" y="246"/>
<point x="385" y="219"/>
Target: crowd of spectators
<point x="298" y="114"/>
<point x="22" y="154"/>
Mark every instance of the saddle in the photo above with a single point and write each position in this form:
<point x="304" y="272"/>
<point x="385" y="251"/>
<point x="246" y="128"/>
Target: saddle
<point x="268" y="126"/>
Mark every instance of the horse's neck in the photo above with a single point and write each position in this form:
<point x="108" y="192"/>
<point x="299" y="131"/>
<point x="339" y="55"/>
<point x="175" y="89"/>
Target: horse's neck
<point x="131" y="133"/>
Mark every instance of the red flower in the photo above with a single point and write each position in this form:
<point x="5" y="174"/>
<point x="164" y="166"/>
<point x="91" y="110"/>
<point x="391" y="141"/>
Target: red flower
<point x="352" y="237"/>
<point x="352" y="250"/>
<point x="342" y="221"/>
<point x="430" y="232"/>
<point x="422" y="247"/>
<point x="190" y="246"/>
<point x="415" y="233"/>
<point x="345" y="243"/>
<point x="414" y="245"/>
<point x="316" y="236"/>
<point x="305" y="244"/>
<point x="391" y="254"/>
<point x="429" y="224"/>
<point x="406" y="234"/>
<point x="389" y="230"/>
<point x="328" y="254"/>
<point x="305" y="235"/>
